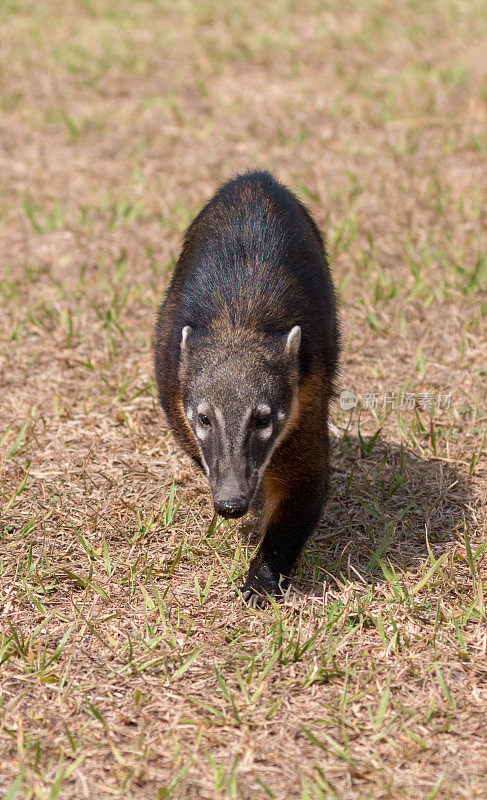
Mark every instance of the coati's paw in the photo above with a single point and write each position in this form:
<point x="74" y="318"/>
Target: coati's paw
<point x="260" y="585"/>
<point x="253" y="599"/>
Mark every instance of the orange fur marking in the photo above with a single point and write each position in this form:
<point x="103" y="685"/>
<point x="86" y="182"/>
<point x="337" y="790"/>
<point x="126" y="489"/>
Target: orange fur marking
<point x="274" y="492"/>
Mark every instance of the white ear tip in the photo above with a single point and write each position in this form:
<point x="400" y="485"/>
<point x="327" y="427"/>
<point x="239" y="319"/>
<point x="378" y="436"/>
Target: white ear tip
<point x="184" y="336"/>
<point x="293" y="340"/>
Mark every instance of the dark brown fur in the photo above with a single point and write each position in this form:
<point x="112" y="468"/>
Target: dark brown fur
<point x="252" y="269"/>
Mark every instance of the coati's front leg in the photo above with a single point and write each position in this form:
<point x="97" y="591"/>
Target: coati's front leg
<point x="290" y="515"/>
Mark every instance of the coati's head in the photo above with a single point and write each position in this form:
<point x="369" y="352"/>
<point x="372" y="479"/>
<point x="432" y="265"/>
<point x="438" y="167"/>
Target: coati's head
<point x="239" y="398"/>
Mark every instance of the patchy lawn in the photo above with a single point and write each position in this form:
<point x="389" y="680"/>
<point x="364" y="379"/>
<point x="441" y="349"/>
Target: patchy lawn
<point x="128" y="666"/>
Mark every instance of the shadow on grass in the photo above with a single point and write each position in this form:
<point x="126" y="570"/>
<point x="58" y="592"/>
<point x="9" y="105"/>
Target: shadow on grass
<point x="385" y="504"/>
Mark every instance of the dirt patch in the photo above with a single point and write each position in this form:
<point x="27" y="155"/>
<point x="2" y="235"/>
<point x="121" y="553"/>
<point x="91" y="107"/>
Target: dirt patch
<point x="128" y="666"/>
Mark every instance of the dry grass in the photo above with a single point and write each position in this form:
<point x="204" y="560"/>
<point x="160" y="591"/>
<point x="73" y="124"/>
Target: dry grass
<point x="128" y="667"/>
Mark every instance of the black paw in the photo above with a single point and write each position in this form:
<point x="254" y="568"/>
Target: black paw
<point x="262" y="583"/>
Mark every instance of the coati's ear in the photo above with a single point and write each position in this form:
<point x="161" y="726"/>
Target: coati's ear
<point x="184" y="337"/>
<point x="293" y="341"/>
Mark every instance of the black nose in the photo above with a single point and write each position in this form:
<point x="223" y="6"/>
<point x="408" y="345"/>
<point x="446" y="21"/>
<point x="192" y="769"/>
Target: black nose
<point x="231" y="507"/>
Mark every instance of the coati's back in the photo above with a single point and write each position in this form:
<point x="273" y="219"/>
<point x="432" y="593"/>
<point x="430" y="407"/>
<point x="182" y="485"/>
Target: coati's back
<point x="248" y="328"/>
<point x="253" y="258"/>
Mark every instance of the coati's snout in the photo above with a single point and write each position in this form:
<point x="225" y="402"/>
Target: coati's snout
<point x="231" y="507"/>
<point x="238" y="403"/>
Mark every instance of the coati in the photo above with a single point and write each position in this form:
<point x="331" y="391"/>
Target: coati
<point x="246" y="349"/>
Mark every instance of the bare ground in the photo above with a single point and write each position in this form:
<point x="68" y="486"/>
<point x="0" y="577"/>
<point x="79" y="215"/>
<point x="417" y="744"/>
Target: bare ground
<point x="128" y="666"/>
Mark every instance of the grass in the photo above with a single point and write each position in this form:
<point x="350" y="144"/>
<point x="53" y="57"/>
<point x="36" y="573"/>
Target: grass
<point x="128" y="667"/>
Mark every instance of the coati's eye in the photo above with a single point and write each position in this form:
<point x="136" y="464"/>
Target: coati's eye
<point x="262" y="420"/>
<point x="204" y="421"/>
